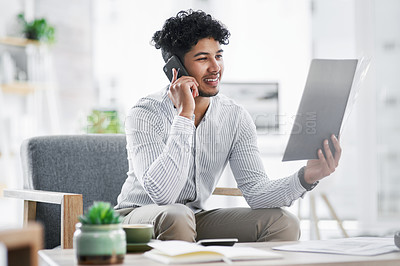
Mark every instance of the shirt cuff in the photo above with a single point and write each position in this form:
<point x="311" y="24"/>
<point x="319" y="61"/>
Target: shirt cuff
<point x="297" y="185"/>
<point x="303" y="182"/>
<point x="182" y="125"/>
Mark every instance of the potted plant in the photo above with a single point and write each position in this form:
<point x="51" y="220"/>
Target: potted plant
<point x="38" y="29"/>
<point x="99" y="237"/>
<point x="104" y="121"/>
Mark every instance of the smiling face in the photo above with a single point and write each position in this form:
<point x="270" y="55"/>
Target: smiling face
<point x="204" y="62"/>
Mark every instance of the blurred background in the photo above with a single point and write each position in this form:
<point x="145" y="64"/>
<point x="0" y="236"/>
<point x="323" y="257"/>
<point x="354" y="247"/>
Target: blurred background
<point x="94" y="61"/>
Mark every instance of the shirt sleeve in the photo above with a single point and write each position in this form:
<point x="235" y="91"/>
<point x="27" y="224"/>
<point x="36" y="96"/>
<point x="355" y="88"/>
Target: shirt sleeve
<point x="248" y="170"/>
<point x="160" y="165"/>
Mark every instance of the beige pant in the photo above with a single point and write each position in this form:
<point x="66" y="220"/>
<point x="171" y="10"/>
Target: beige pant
<point x="178" y="222"/>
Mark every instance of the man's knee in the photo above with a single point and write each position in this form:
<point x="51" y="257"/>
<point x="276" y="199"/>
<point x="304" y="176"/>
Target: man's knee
<point x="292" y="231"/>
<point x="278" y="225"/>
<point x="286" y="227"/>
<point x="175" y="222"/>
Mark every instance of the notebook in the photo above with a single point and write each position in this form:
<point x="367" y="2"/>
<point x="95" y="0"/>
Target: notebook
<point x="178" y="252"/>
<point x="322" y="107"/>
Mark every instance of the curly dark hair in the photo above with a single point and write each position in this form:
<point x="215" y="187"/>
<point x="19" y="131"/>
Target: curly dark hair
<point x="180" y="33"/>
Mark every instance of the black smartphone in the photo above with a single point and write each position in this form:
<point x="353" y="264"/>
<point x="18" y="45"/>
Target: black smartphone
<point x="174" y="62"/>
<point x="218" y="242"/>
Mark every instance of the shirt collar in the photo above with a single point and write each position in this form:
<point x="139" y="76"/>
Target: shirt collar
<point x="208" y="111"/>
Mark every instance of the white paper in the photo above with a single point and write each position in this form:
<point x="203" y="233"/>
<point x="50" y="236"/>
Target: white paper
<point x="359" y="246"/>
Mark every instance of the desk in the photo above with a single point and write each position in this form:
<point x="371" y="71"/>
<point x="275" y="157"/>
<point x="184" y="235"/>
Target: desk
<point x="64" y="257"/>
<point x="23" y="244"/>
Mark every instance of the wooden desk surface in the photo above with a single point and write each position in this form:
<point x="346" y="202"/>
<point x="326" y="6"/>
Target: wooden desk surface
<point x="65" y="257"/>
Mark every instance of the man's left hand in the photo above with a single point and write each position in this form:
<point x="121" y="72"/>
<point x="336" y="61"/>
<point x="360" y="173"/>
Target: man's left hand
<point x="324" y="166"/>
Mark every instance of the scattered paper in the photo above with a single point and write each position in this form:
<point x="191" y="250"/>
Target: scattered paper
<point x="359" y="246"/>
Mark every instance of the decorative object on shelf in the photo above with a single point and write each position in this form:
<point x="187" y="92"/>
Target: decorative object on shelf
<point x="104" y="122"/>
<point x="7" y="68"/>
<point x="99" y="237"/>
<point x="38" y="29"/>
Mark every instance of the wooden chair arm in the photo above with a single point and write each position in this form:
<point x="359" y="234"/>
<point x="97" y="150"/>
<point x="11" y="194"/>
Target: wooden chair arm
<point x="227" y="191"/>
<point x="37" y="195"/>
<point x="71" y="208"/>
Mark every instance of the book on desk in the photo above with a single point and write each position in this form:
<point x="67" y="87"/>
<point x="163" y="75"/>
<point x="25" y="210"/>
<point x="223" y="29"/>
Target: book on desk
<point x="177" y="252"/>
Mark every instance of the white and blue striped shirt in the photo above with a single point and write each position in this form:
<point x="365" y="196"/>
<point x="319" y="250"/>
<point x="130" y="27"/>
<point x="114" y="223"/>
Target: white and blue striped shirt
<point x="172" y="161"/>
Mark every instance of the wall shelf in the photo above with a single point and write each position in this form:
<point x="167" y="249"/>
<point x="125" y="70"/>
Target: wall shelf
<point x="28" y="102"/>
<point x="19" y="88"/>
<point x="16" y="41"/>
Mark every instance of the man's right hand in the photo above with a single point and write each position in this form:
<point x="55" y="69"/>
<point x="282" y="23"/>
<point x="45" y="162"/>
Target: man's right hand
<point x="182" y="92"/>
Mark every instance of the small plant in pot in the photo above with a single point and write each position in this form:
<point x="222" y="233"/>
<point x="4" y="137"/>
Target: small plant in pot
<point x="37" y="29"/>
<point x="99" y="237"/>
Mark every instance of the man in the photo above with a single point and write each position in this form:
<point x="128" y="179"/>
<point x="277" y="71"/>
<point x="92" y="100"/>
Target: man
<point x="180" y="139"/>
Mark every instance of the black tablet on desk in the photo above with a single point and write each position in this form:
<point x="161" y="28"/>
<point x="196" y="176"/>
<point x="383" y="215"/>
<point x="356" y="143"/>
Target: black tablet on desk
<point x="322" y="107"/>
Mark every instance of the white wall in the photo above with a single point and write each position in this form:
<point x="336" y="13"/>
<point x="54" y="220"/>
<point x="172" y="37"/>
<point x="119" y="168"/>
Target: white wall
<point x="378" y="36"/>
<point x="72" y="57"/>
<point x="334" y="36"/>
<point x="122" y="35"/>
<point x="8" y="13"/>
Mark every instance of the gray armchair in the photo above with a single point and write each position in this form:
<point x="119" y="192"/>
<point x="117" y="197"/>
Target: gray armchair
<point x="66" y="174"/>
<point x="94" y="166"/>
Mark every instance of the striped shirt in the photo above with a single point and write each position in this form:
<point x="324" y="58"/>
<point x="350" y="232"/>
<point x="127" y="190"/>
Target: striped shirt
<point x="172" y="161"/>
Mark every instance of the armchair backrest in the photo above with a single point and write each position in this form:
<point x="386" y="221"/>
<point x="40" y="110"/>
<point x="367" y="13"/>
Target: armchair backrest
<point x="92" y="165"/>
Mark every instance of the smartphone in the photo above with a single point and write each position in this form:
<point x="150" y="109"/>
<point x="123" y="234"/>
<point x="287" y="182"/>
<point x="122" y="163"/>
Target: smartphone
<point x="218" y="242"/>
<point x="174" y="62"/>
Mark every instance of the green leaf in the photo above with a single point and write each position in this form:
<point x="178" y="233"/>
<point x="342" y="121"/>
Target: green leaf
<point x="100" y="213"/>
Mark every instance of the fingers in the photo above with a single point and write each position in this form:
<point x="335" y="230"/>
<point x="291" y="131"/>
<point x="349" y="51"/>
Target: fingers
<point x="329" y="156"/>
<point x="327" y="163"/>
<point x="321" y="157"/>
<point x="185" y="83"/>
<point x="325" y="170"/>
<point x="174" y="75"/>
<point x="183" y="79"/>
<point x="195" y="90"/>
<point x="323" y="163"/>
<point x="188" y="83"/>
<point x="338" y="149"/>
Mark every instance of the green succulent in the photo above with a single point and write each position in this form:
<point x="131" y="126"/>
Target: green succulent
<point x="100" y="213"/>
<point x="37" y="29"/>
